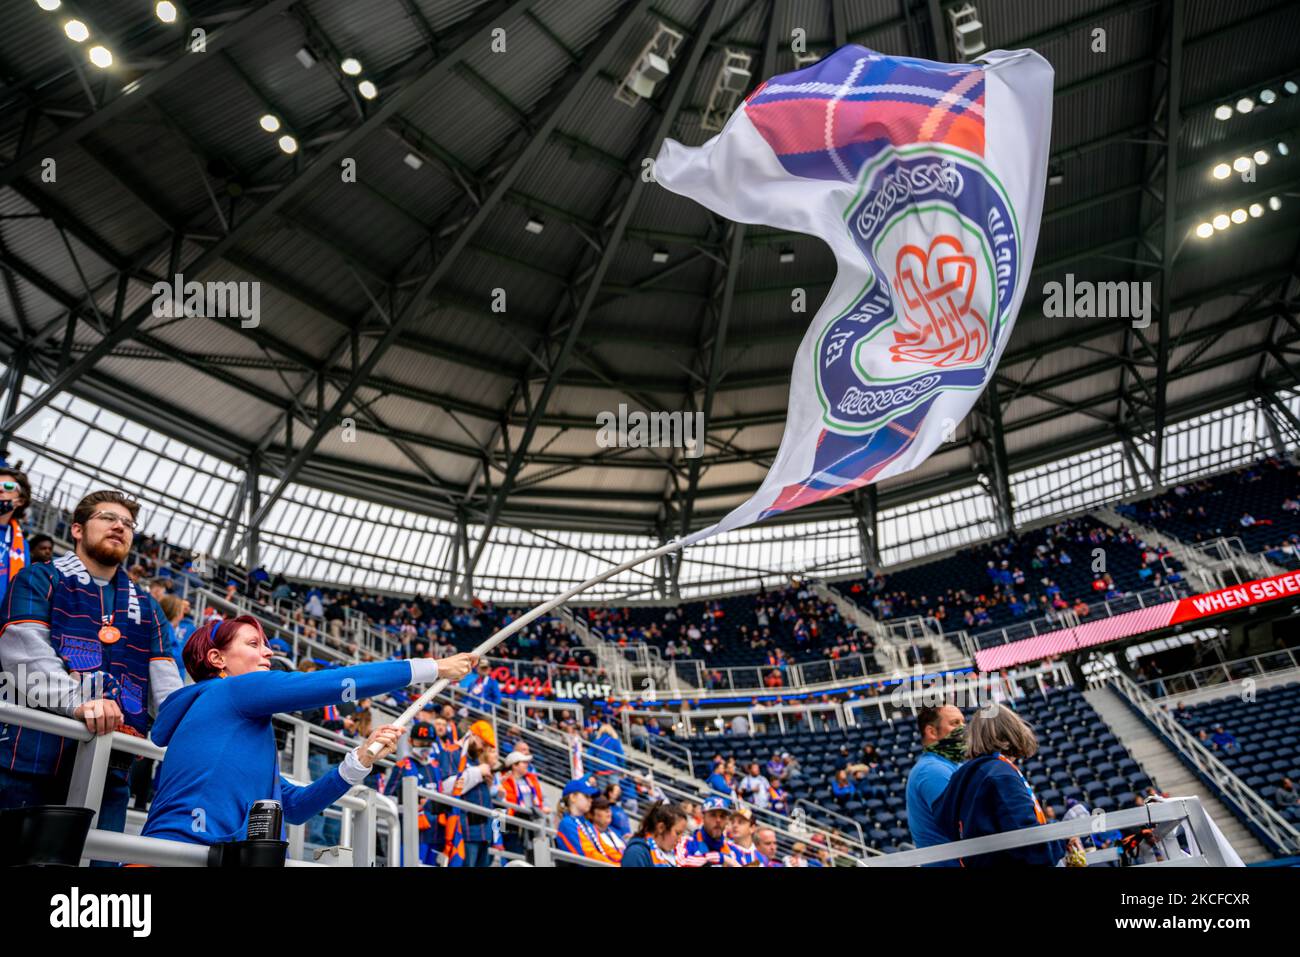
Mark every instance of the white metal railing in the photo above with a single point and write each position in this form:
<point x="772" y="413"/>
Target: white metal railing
<point x="1164" y="818"/>
<point x="1255" y="809"/>
<point x="1219" y="673"/>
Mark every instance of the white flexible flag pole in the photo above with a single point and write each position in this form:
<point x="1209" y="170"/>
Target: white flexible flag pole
<point x="419" y="703"/>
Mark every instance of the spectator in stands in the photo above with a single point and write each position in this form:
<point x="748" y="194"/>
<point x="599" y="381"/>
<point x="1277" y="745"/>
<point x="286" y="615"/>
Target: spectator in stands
<point x="467" y="774"/>
<point x="723" y="778"/>
<point x="1223" y="740"/>
<point x="173" y="610"/>
<point x="619" y="822"/>
<point x="753" y="787"/>
<point x="601" y="816"/>
<point x="1286" y="795"/>
<point x="989" y="794"/>
<point x="778" y="798"/>
<point x="797" y="856"/>
<point x="576" y="834"/>
<point x="41" y="549"/>
<point x="656" y="840"/>
<point x="607" y="756"/>
<point x="421" y="764"/>
<point x="765" y="841"/>
<point x="15" y="496"/>
<point x="944" y="748"/>
<point x="776" y="770"/>
<point x="519" y="785"/>
<point x="481" y="690"/>
<point x="704" y="846"/>
<point x="842" y="788"/>
<point x="739" y="849"/>
<point x="66" y="623"/>
<point x="220" y="753"/>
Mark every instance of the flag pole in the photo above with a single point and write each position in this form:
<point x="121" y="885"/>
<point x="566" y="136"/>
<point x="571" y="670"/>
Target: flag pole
<point x="419" y="703"/>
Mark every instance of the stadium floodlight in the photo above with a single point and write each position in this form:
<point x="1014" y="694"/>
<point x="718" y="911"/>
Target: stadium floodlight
<point x="1267" y="96"/>
<point x="1245" y="105"/>
<point x="288" y="144"/>
<point x="351" y="66"/>
<point x="1221" y="221"/>
<point x="49" y="5"/>
<point x="1223" y="112"/>
<point x="1261" y="157"/>
<point x="1274" y="203"/>
<point x="413" y="161"/>
<point x="1205" y="230"/>
<point x="1283" y="149"/>
<point x="1241" y="164"/>
<point x="100" y="56"/>
<point x="967" y="32"/>
<point x="269" y="122"/>
<point x="165" y="11"/>
<point x="1238" y="215"/>
<point x="1291" y="87"/>
<point x="77" y="31"/>
<point x="534" y="226"/>
<point x="659" y="256"/>
<point x="1222" y="171"/>
<point x="729" y="88"/>
<point x="1256" y="210"/>
<point x="650" y="68"/>
<point x="787" y="256"/>
<point x="368" y="89"/>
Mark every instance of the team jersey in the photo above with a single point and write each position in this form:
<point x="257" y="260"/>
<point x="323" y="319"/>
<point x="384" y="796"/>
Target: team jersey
<point x="745" y="856"/>
<point x="577" y="835"/>
<point x="696" y="849"/>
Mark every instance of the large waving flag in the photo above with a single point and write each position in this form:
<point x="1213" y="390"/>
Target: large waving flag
<point x="926" y="180"/>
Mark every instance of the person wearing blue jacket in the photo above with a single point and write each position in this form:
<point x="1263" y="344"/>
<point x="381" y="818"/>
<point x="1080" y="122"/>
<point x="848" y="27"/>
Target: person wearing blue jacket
<point x="989" y="794"/>
<point x="943" y="736"/>
<point x="482" y="690"/>
<point x="221" y="755"/>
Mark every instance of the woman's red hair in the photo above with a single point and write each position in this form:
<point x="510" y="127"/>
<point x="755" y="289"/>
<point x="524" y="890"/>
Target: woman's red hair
<point x="218" y="635"/>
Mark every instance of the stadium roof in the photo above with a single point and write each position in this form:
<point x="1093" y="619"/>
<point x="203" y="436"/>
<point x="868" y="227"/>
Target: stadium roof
<point x="377" y="295"/>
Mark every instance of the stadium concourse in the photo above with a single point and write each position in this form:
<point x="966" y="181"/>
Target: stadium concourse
<point x="650" y="433"/>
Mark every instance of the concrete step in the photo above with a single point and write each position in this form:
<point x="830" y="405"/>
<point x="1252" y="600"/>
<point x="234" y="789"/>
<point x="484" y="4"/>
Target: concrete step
<point x="1167" y="770"/>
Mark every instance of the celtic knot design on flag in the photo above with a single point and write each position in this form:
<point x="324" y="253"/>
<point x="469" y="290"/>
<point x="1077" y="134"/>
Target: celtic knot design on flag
<point x="926" y="180"/>
<point x="935" y="287"/>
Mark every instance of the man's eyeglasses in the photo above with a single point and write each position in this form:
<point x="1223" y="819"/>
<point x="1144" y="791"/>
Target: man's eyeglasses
<point x="114" y="519"/>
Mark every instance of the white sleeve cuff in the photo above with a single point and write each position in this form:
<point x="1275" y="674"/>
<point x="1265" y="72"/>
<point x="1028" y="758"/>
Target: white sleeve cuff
<point x="424" y="671"/>
<point x="353" y="771"/>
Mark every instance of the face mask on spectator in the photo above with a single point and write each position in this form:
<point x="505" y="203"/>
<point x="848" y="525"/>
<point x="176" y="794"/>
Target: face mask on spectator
<point x="952" y="747"/>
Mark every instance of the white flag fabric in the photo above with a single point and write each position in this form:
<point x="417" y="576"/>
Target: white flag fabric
<point x="926" y="180"/>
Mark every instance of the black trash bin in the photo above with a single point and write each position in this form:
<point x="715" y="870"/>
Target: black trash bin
<point x="51" y="835"/>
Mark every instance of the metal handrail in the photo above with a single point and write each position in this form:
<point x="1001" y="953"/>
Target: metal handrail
<point x="1164" y="817"/>
<point x="1258" y="811"/>
<point x="1223" y="668"/>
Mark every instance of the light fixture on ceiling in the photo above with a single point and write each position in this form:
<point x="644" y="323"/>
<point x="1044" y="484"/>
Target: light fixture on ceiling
<point x="288" y="144"/>
<point x="368" y="89"/>
<point x="49" y="5"/>
<point x="1205" y="230"/>
<point x="967" y="32"/>
<point x="1221" y="221"/>
<point x="729" y="86"/>
<point x="1261" y="157"/>
<point x="1223" y="112"/>
<point x="787" y="256"/>
<point x="534" y="226"/>
<point x="413" y="161"/>
<point x="1238" y="216"/>
<point x="650" y="68"/>
<point x="1274" y="203"/>
<point x="1245" y="105"/>
<point x="659" y="256"/>
<point x="1055" y="177"/>
<point x="1283" y="149"/>
<point x="77" y="31"/>
<point x="1241" y="164"/>
<point x="1256" y="210"/>
<point x="165" y="10"/>
<point x="1267" y="96"/>
<point x="1291" y="87"/>
<point x="101" y="56"/>
<point x="306" y="58"/>
<point x="351" y="66"/>
<point x="269" y="122"/>
<point x="1222" y="171"/>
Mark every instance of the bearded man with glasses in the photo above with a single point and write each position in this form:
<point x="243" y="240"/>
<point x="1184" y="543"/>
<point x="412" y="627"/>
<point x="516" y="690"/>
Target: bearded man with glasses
<point x="80" y="639"/>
